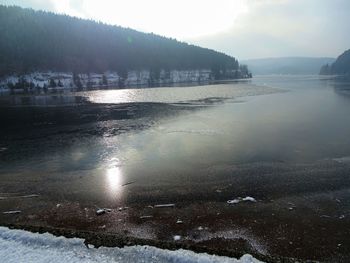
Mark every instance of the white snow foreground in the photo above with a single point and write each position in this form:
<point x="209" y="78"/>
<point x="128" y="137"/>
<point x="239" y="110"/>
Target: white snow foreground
<point x="22" y="246"/>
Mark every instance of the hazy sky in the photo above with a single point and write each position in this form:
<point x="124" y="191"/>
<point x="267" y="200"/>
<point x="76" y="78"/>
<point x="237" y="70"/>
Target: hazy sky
<point x="241" y="28"/>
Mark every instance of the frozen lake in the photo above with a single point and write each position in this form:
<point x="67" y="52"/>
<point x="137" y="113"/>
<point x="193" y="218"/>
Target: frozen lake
<point x="283" y="140"/>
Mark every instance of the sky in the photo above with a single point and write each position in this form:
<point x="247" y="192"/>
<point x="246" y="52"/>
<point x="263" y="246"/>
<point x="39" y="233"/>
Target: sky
<point x="241" y="28"/>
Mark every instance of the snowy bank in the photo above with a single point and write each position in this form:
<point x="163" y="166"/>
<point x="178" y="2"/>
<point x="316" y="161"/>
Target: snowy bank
<point x="132" y="78"/>
<point x="22" y="246"/>
<point x="107" y="79"/>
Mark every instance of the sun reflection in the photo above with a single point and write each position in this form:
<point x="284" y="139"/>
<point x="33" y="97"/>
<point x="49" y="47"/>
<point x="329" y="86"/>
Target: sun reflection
<point x="115" y="96"/>
<point x="114" y="179"/>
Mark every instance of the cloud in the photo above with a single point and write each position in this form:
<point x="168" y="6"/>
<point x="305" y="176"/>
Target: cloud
<point x="242" y="28"/>
<point x="69" y="7"/>
<point x="35" y="4"/>
<point x="285" y="28"/>
<point x="180" y="19"/>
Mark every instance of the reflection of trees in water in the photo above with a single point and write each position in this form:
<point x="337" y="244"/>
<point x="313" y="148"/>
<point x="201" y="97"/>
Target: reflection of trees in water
<point x="341" y="85"/>
<point x="42" y="100"/>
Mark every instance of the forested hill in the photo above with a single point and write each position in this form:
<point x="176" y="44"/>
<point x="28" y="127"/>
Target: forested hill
<point x="40" y="41"/>
<point x="340" y="67"/>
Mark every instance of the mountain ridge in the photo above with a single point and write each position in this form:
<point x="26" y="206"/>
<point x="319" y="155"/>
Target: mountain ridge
<point x="287" y="65"/>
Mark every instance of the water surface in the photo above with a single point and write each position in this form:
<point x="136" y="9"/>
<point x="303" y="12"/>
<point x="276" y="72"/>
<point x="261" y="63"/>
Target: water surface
<point x="282" y="139"/>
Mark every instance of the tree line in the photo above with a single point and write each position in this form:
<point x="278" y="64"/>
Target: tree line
<point x="39" y="41"/>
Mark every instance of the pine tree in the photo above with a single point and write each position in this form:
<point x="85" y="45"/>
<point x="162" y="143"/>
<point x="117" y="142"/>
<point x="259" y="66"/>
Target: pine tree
<point x="104" y="80"/>
<point x="52" y="83"/>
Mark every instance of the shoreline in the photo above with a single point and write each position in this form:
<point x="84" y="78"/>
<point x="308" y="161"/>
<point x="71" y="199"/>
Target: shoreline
<point x="100" y="239"/>
<point x="63" y="81"/>
<point x="47" y="246"/>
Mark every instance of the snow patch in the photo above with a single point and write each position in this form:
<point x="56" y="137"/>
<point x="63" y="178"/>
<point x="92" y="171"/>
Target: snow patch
<point x="18" y="246"/>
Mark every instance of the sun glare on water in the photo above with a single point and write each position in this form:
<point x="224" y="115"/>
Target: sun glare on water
<point x="114" y="181"/>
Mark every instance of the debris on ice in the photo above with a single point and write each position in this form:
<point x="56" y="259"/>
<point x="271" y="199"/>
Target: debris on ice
<point x="249" y="198"/>
<point x="101" y="211"/>
<point x="12" y="212"/>
<point x="164" y="205"/>
<point x="18" y="196"/>
<point x="325" y="216"/>
<point x="240" y="199"/>
<point x="177" y="238"/>
<point x="128" y="183"/>
<point x="145" y="217"/>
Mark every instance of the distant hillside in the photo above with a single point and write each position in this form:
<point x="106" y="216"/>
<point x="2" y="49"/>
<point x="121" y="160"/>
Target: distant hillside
<point x="286" y="65"/>
<point x="340" y="67"/>
<point x="40" y="41"/>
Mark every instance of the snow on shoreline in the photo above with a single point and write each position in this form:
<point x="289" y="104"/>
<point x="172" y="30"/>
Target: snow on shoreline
<point x="23" y="246"/>
<point x="132" y="78"/>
